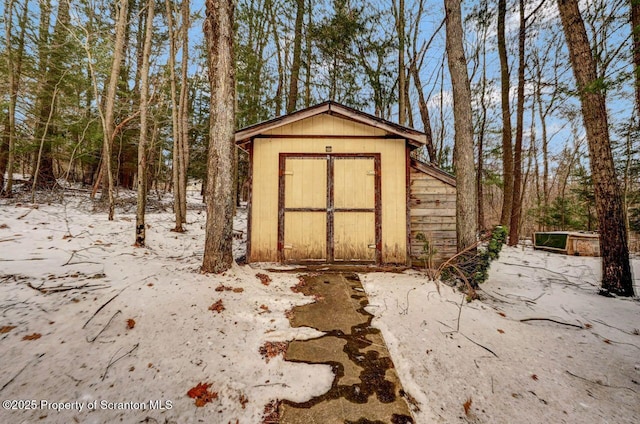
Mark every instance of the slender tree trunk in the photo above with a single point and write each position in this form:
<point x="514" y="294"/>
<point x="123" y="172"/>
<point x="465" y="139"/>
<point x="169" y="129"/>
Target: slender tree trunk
<point x="507" y="148"/>
<point x="466" y="202"/>
<point x="53" y="73"/>
<point x="297" y="56"/>
<point x="184" y="111"/>
<point x="481" y="135"/>
<point x="402" y="99"/>
<point x="144" y="127"/>
<point x="516" y="208"/>
<point x="108" y="125"/>
<point x="309" y="57"/>
<point x="14" y="70"/>
<point x="175" y="118"/>
<point x="635" y="30"/>
<point x="616" y="271"/>
<point x="218" y="28"/>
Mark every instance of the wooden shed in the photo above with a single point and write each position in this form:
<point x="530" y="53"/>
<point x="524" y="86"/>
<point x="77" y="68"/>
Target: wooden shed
<point x="330" y="184"/>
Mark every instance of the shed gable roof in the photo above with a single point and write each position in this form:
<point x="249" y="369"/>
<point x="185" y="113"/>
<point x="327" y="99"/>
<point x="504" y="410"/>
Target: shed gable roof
<point x="434" y="171"/>
<point x="414" y="137"/>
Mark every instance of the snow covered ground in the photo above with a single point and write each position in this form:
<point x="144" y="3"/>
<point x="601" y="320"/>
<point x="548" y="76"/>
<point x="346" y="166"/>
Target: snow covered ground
<point x="541" y="347"/>
<point x="71" y="281"/>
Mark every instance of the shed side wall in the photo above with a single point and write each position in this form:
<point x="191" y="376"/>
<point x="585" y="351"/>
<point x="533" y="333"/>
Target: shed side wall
<point x="432" y="213"/>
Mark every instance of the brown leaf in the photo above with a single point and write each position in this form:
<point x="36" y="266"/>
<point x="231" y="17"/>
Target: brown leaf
<point x="272" y="349"/>
<point x="34" y="336"/>
<point x="607" y="341"/>
<point x="243" y="401"/>
<point x="502" y="314"/>
<point x="131" y="323"/>
<point x="265" y="308"/>
<point x="500" y="331"/>
<point x="264" y="279"/>
<point x="467" y="406"/>
<point x="271" y="413"/>
<point x="534" y="377"/>
<point x="6" y="328"/>
<point x="238" y="290"/>
<point x="217" y="306"/>
<point x="587" y="325"/>
<point x="201" y="394"/>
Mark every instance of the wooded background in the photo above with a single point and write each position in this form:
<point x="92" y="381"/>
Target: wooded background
<point x="71" y="77"/>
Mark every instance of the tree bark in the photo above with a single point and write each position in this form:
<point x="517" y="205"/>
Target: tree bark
<point x="466" y="202"/>
<point x="108" y="125"/>
<point x="175" y="119"/>
<point x="297" y="58"/>
<point x="616" y="271"/>
<point x="635" y="31"/>
<point x="144" y="124"/>
<point x="14" y="69"/>
<point x="218" y="28"/>
<point x="402" y="99"/>
<point x="507" y="148"/>
<point x="516" y="208"/>
<point x="184" y="110"/>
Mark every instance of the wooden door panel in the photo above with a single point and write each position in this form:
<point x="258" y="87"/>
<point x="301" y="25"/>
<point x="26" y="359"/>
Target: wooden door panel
<point x="354" y="183"/>
<point x="354" y="236"/>
<point x="305" y="236"/>
<point x="305" y="183"/>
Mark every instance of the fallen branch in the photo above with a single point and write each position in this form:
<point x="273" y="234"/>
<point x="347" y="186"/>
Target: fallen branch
<point x="20" y="372"/>
<point x="599" y="383"/>
<point x="112" y="361"/>
<point x="472" y="341"/>
<point x="552" y="320"/>
<point x="105" y="327"/>
<point x="101" y="307"/>
<point x="631" y="333"/>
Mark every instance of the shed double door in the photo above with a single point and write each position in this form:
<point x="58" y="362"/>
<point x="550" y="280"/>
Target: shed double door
<point x="329" y="208"/>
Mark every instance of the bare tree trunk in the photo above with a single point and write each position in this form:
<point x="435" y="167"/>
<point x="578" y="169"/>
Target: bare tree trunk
<point x="309" y="57"/>
<point x="616" y="271"/>
<point x="466" y="202"/>
<point x="507" y="148"/>
<point x="144" y="124"/>
<point x="635" y="30"/>
<point x="14" y="69"/>
<point x="402" y="99"/>
<point x="175" y="118"/>
<point x="297" y="56"/>
<point x="108" y="129"/>
<point x="481" y="135"/>
<point x="516" y="208"/>
<point x="184" y="111"/>
<point x="218" y="28"/>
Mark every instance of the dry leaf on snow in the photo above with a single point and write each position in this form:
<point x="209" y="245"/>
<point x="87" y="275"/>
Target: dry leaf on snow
<point x="264" y="279"/>
<point x="467" y="406"/>
<point x="34" y="336"/>
<point x="6" y="328"/>
<point x="131" y="323"/>
<point x="217" y="306"/>
<point x="201" y="394"/>
<point x="272" y="349"/>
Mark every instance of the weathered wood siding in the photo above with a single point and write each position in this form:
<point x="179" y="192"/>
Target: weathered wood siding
<point x="265" y="184"/>
<point x="433" y="213"/>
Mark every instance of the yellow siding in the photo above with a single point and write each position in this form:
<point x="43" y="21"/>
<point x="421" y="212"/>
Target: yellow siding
<point x="266" y="151"/>
<point x="306" y="183"/>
